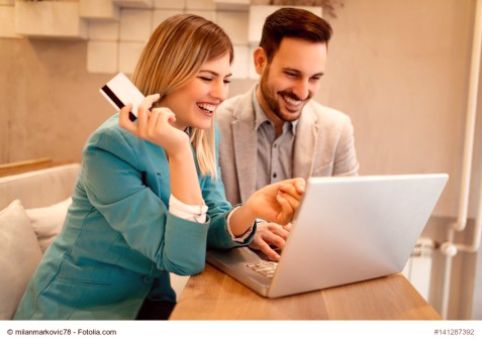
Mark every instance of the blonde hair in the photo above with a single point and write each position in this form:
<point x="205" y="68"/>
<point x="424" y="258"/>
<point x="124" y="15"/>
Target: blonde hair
<point x="173" y="55"/>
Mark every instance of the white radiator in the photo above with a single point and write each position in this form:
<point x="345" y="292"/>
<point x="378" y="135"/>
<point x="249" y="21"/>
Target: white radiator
<point x="419" y="266"/>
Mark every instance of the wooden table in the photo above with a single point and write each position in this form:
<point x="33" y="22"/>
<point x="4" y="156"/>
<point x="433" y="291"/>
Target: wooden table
<point x="214" y="295"/>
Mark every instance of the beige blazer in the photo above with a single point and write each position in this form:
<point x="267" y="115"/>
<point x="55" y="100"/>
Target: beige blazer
<point x="324" y="145"/>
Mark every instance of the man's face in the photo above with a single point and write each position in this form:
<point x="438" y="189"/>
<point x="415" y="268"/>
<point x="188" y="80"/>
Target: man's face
<point x="292" y="77"/>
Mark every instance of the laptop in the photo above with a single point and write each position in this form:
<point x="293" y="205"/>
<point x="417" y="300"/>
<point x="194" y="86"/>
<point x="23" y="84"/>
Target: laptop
<point x="347" y="229"/>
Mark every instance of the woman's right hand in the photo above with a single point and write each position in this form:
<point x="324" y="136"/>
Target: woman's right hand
<point x="277" y="202"/>
<point x="155" y="126"/>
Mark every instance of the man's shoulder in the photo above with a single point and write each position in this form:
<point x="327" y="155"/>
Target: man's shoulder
<point x="234" y="106"/>
<point x="327" y="115"/>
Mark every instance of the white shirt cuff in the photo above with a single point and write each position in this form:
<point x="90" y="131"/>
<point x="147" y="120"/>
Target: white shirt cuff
<point x="193" y="213"/>
<point x="233" y="237"/>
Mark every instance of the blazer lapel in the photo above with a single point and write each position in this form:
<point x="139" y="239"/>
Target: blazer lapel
<point x="305" y="143"/>
<point x="245" y="150"/>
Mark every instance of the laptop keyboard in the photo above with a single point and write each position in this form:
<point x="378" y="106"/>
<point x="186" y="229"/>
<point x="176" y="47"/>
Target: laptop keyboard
<point x="265" y="268"/>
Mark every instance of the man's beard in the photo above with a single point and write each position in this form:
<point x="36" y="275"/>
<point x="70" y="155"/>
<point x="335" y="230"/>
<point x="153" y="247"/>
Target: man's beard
<point x="274" y="104"/>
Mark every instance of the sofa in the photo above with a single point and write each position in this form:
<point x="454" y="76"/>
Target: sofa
<point x="33" y="206"/>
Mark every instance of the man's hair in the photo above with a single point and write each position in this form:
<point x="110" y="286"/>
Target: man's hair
<point x="293" y="23"/>
<point x="173" y="56"/>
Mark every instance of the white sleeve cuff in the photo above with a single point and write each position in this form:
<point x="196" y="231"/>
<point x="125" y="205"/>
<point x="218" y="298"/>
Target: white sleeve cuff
<point x="233" y="237"/>
<point x="193" y="213"/>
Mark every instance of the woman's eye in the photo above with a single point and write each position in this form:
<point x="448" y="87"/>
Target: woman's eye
<point x="205" y="78"/>
<point x="227" y="81"/>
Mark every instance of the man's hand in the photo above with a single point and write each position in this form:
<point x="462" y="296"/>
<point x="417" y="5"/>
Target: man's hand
<point x="270" y="238"/>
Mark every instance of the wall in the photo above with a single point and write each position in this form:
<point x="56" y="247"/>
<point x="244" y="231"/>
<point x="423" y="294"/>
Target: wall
<point x="49" y="102"/>
<point x="398" y="68"/>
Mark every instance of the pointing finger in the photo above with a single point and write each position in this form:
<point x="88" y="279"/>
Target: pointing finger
<point x="146" y="104"/>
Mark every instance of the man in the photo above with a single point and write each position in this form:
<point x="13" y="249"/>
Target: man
<point x="276" y="131"/>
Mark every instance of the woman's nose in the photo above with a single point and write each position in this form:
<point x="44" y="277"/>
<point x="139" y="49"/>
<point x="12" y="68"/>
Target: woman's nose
<point x="219" y="90"/>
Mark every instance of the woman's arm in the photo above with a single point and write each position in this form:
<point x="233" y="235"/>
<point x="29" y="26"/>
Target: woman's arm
<point x="183" y="177"/>
<point x="275" y="203"/>
<point x="156" y="127"/>
<point x="128" y="198"/>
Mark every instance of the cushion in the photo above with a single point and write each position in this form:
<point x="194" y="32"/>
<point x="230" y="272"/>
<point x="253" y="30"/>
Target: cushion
<point x="19" y="256"/>
<point x="47" y="221"/>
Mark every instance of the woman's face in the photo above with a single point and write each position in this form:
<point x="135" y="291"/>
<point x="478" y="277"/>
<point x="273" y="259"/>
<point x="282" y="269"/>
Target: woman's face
<point x="195" y="103"/>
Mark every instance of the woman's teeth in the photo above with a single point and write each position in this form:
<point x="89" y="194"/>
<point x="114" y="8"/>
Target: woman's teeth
<point x="206" y="107"/>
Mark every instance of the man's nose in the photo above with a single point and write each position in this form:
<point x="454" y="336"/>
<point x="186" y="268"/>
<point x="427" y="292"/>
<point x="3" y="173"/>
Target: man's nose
<point x="302" y="89"/>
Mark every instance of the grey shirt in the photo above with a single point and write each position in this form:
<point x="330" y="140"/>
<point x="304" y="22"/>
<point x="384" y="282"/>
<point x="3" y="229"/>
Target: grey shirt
<point x="275" y="154"/>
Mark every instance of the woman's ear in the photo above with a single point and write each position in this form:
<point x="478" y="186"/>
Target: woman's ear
<point x="260" y="60"/>
<point x="158" y="103"/>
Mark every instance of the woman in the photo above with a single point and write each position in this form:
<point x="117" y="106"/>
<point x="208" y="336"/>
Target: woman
<point x="149" y="196"/>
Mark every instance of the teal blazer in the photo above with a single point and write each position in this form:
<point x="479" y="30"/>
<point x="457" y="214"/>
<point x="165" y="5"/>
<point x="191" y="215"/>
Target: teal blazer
<point x="119" y="241"/>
